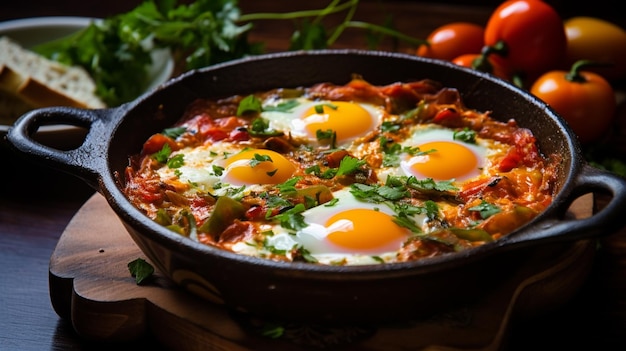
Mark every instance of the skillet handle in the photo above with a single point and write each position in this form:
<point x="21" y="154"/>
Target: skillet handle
<point x="608" y="220"/>
<point x="86" y="161"/>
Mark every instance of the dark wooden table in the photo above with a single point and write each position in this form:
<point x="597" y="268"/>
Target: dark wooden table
<point x="37" y="203"/>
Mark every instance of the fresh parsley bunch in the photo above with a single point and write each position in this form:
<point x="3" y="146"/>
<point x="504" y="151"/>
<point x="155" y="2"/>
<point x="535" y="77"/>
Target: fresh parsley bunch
<point x="116" y="51"/>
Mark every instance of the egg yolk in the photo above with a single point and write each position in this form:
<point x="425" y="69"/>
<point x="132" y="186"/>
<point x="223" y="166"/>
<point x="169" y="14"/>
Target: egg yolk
<point x="365" y="230"/>
<point x="347" y="119"/>
<point x="448" y="160"/>
<point x="257" y="166"/>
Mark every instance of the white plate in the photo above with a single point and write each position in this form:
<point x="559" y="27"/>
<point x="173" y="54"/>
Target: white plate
<point x="29" y="32"/>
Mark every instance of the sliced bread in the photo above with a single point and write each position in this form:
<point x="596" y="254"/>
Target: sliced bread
<point x="31" y="80"/>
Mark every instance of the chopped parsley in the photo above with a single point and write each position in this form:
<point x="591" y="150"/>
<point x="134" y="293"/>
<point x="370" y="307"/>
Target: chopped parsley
<point x="174" y="132"/>
<point x="406" y="222"/>
<point x="289" y="186"/>
<point x="430" y="184"/>
<point x="387" y="126"/>
<point x="392" y="152"/>
<point x="329" y="135"/>
<point x="261" y="127"/>
<point x="377" y="193"/>
<point x="249" y="104"/>
<point x="466" y="135"/>
<point x="292" y="219"/>
<point x="141" y="270"/>
<point x="176" y="161"/>
<point x="319" y="109"/>
<point x="258" y="158"/>
<point x="162" y="155"/>
<point x="217" y="170"/>
<point x="332" y="202"/>
<point x="349" y="165"/>
<point x="485" y="209"/>
<point x="285" y="106"/>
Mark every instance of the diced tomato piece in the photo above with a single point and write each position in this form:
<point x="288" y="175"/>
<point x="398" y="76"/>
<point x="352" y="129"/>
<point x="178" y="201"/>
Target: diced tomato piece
<point x="255" y="213"/>
<point x="155" y="144"/>
<point x="335" y="157"/>
<point x="239" y="135"/>
<point x="447" y="114"/>
<point x="510" y="161"/>
<point x="237" y="231"/>
<point x="215" y="134"/>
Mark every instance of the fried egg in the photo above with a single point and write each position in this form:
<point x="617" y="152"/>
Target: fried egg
<point x="440" y="156"/>
<point x="222" y="167"/>
<point x="349" y="120"/>
<point x="350" y="230"/>
<point x="257" y="166"/>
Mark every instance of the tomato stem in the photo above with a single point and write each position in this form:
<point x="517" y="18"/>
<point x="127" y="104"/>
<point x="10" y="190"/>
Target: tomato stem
<point x="517" y="80"/>
<point x="481" y="62"/>
<point x="574" y="74"/>
<point x="500" y="48"/>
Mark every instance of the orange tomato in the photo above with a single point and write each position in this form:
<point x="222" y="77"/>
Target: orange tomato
<point x="492" y="65"/>
<point x="452" y="40"/>
<point x="584" y="99"/>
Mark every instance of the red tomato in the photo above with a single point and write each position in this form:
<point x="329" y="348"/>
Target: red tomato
<point x="533" y="35"/>
<point x="584" y="99"/>
<point x="494" y="64"/>
<point x="452" y="40"/>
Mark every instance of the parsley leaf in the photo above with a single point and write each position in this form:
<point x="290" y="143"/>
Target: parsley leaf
<point x="249" y="104"/>
<point x="485" y="209"/>
<point x="430" y="184"/>
<point x="349" y="165"/>
<point x="258" y="158"/>
<point x="176" y="162"/>
<point x="218" y="170"/>
<point x="466" y="135"/>
<point x="261" y="127"/>
<point x="387" y="126"/>
<point x="272" y="330"/>
<point x="319" y="109"/>
<point x="328" y="134"/>
<point x="432" y="209"/>
<point x="377" y="193"/>
<point x="162" y="155"/>
<point x="292" y="219"/>
<point x="141" y="270"/>
<point x="285" y="106"/>
<point x="392" y="151"/>
<point x="406" y="222"/>
<point x="174" y="132"/>
<point x="289" y="186"/>
<point x="273" y="201"/>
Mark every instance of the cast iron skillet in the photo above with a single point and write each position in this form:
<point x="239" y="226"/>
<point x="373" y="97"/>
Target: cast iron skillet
<point x="301" y="291"/>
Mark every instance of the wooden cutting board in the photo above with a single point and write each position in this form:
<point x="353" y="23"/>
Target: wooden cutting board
<point x="91" y="286"/>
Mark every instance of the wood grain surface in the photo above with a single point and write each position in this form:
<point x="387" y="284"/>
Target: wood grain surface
<point x="91" y="286"/>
